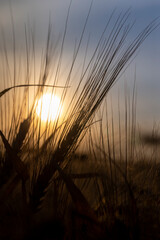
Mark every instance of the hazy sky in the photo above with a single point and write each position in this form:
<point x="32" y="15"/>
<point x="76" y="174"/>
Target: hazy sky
<point x="147" y="63"/>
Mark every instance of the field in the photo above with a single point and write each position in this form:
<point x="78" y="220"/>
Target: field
<point x="80" y="173"/>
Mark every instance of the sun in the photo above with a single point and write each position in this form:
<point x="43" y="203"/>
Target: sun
<point x="48" y="107"/>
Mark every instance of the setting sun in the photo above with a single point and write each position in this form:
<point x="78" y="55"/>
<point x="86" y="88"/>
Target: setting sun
<point x="48" y="107"/>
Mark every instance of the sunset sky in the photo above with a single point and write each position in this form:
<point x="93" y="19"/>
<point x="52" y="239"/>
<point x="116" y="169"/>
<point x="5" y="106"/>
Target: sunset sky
<point x="147" y="63"/>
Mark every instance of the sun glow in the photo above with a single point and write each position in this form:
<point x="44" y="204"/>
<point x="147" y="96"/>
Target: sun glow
<point x="48" y="107"/>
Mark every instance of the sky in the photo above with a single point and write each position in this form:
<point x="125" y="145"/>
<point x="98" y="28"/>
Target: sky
<point x="146" y="65"/>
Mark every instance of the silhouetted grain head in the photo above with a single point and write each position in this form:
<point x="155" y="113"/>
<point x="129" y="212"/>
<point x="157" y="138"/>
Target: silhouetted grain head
<point x="18" y="165"/>
<point x="109" y="59"/>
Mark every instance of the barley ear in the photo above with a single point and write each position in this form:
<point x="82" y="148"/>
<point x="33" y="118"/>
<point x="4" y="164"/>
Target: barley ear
<point x="18" y="165"/>
<point x="23" y="130"/>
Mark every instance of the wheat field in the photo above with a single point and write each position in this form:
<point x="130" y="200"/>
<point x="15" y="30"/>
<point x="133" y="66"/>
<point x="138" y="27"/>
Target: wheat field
<point x="84" y="174"/>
